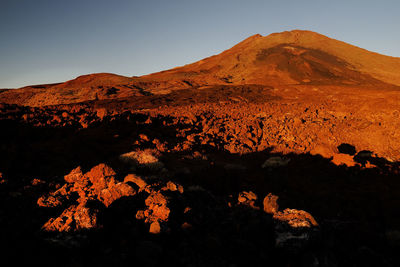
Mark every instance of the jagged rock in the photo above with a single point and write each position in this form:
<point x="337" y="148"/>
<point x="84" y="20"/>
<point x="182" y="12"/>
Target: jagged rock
<point x="55" y="198"/>
<point x="100" y="176"/>
<point x="157" y="203"/>
<point x="172" y="187"/>
<point x="247" y="198"/>
<point x="271" y="204"/>
<point x="85" y="218"/>
<point x="74" y="176"/>
<point x="136" y="180"/>
<point x="96" y="185"/>
<point x="49" y="202"/>
<point x="114" y="192"/>
<point x="76" y="217"/>
<point x="294" y="228"/>
<point x="157" y="209"/>
<point x="63" y="223"/>
<point x="296" y="218"/>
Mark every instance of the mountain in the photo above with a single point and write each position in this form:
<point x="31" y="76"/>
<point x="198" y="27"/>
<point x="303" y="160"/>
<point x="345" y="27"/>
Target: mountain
<point x="283" y="150"/>
<point x="288" y="58"/>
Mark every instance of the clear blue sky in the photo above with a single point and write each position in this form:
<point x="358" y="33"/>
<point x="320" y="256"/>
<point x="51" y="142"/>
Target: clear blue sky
<point x="45" y="41"/>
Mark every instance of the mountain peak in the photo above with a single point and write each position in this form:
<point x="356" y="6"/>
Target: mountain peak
<point x="289" y="57"/>
<point x="297" y="36"/>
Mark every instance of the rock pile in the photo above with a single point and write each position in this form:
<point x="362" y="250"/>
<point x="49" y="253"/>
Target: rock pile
<point x="293" y="228"/>
<point x="86" y="193"/>
<point x="97" y="189"/>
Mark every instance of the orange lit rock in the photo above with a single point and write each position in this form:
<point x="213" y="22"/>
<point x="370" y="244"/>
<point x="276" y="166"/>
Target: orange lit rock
<point x="100" y="175"/>
<point x="76" y="217"/>
<point x="271" y="204"/>
<point x="63" y="223"/>
<point x="55" y="198"/>
<point x="96" y="185"/>
<point x="296" y="218"/>
<point x="74" y="176"/>
<point x="144" y="137"/>
<point x="136" y="180"/>
<point x="101" y="113"/>
<point x="155" y="227"/>
<point x="247" y="198"/>
<point x="345" y="159"/>
<point x="157" y="209"/>
<point x="294" y="229"/>
<point x="157" y="203"/>
<point x="172" y="187"/>
<point x="114" y="192"/>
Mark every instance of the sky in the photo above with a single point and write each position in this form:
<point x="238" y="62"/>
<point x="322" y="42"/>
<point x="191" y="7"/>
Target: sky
<point x="48" y="41"/>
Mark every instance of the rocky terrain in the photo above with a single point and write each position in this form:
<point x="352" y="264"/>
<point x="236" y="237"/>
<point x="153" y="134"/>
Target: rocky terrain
<point x="283" y="150"/>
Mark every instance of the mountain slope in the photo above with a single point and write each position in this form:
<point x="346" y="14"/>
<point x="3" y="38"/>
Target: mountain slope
<point x="83" y="88"/>
<point x="290" y="58"/>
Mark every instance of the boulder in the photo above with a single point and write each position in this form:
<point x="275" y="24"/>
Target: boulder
<point x="147" y="158"/>
<point x="294" y="229"/>
<point x="296" y="218"/>
<point x="136" y="180"/>
<point x="247" y="198"/>
<point x="271" y="204"/>
<point x="157" y="203"/>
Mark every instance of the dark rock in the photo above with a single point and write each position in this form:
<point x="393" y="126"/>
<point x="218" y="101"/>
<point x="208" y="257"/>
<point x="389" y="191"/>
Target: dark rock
<point x="347" y="149"/>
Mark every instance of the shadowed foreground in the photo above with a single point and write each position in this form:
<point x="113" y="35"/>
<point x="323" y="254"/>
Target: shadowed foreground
<point x="169" y="193"/>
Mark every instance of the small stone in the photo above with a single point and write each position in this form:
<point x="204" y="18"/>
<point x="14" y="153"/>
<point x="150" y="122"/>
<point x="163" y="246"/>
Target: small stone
<point x="155" y="228"/>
